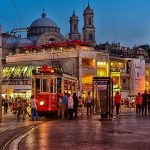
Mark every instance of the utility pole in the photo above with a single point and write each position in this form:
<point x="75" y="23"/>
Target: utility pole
<point x="0" y="73"/>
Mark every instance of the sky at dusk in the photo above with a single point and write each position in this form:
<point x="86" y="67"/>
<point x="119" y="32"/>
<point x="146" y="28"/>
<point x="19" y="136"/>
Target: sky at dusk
<point x="124" y="21"/>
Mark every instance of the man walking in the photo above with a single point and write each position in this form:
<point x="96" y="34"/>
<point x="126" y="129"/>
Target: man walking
<point x="6" y="105"/>
<point x="64" y="105"/>
<point x="89" y="100"/>
<point x="144" y="102"/>
<point x="70" y="107"/>
<point x="117" y="99"/>
<point x="33" y="108"/>
<point x="138" y="102"/>
<point x="75" y="105"/>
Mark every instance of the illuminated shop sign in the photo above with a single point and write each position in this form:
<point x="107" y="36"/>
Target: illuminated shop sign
<point x="101" y="82"/>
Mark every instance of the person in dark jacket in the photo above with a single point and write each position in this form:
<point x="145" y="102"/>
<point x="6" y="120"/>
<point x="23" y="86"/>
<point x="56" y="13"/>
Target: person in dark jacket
<point x="75" y="105"/>
<point x="6" y="102"/>
<point x="144" y="102"/>
<point x="148" y="102"/>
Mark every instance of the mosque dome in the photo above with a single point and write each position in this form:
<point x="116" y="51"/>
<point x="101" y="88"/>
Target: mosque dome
<point x="40" y="26"/>
<point x="43" y="22"/>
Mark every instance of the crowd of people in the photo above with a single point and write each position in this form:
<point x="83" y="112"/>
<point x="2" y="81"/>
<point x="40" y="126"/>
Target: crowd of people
<point x="69" y="105"/>
<point x="143" y="103"/>
<point x="21" y="107"/>
<point x="139" y="103"/>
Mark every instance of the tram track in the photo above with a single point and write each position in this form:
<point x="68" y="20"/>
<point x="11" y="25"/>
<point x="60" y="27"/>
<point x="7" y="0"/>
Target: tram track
<point x="8" y="137"/>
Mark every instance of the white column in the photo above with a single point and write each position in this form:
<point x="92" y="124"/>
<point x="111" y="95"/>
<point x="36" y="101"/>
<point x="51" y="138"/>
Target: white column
<point x="0" y="73"/>
<point x="80" y="75"/>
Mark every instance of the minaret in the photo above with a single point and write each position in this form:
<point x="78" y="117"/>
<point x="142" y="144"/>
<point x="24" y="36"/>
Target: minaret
<point x="74" y="33"/>
<point x="88" y="28"/>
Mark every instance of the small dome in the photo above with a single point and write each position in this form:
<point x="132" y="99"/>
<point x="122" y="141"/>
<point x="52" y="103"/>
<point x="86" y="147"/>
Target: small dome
<point x="9" y="42"/>
<point x="43" y="22"/>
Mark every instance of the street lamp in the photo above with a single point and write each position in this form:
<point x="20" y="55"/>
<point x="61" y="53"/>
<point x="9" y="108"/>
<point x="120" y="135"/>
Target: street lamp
<point x="0" y="73"/>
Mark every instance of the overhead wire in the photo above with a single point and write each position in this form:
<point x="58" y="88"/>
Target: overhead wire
<point x="7" y="20"/>
<point x="17" y="12"/>
<point x="19" y="15"/>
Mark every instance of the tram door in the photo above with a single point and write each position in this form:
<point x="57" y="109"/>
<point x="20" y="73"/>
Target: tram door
<point x="102" y="87"/>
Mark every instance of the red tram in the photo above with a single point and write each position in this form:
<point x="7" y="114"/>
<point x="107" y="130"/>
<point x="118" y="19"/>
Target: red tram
<point x="46" y="83"/>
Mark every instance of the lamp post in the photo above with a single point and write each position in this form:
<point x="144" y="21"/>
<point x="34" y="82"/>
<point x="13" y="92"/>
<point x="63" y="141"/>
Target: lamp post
<point x="0" y="73"/>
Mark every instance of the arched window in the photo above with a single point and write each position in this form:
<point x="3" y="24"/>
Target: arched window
<point x="90" y="21"/>
<point x="51" y="40"/>
<point x="75" y="27"/>
<point x="90" y="36"/>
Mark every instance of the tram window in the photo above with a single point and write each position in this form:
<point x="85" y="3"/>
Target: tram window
<point x="45" y="85"/>
<point x="65" y="85"/>
<point x="69" y="85"/>
<point x="58" y="83"/>
<point x="73" y="86"/>
<point x="37" y="85"/>
<point x="51" y="85"/>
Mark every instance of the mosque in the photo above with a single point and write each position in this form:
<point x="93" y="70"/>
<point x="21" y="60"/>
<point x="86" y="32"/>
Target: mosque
<point x="44" y="30"/>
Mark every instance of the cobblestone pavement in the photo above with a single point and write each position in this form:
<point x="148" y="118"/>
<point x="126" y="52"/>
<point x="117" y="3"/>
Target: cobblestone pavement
<point x="128" y="132"/>
<point x="10" y="127"/>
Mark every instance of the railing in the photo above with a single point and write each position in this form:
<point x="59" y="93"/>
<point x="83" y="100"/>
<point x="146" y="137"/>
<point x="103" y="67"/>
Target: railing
<point x="40" y="56"/>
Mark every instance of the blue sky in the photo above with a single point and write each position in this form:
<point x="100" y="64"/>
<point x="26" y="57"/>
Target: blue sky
<point x="124" y="21"/>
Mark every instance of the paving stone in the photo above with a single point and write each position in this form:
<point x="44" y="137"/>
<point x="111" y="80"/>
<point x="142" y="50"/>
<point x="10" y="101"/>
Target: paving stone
<point x="128" y="132"/>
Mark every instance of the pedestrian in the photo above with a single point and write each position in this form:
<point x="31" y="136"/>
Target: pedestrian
<point x="138" y="102"/>
<point x="130" y="102"/>
<point x="59" y="103"/>
<point x="89" y="100"/>
<point x="34" y="112"/>
<point x="64" y="102"/>
<point x="24" y="109"/>
<point x="81" y="104"/>
<point x="117" y="99"/>
<point x="70" y="106"/>
<point x="19" y="108"/>
<point x="6" y="102"/>
<point x="14" y="107"/>
<point x="148" y="102"/>
<point x="75" y="104"/>
<point x="144" y="102"/>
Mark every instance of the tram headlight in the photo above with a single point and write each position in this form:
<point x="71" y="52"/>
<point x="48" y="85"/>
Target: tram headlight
<point x="41" y="103"/>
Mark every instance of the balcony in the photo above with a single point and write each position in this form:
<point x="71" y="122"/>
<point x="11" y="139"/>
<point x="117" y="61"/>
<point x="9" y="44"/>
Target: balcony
<point x="40" y="56"/>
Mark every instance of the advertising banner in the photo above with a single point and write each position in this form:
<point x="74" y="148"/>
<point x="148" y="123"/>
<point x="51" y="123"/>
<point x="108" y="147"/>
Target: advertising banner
<point x="137" y="76"/>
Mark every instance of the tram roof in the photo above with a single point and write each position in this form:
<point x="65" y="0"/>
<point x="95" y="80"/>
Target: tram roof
<point x="55" y="74"/>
